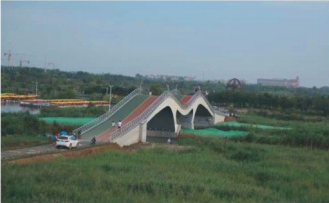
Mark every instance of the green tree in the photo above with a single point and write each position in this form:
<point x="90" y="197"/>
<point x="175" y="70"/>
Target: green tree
<point x="156" y="89"/>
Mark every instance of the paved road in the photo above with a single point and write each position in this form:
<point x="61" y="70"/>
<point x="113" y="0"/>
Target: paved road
<point x="38" y="149"/>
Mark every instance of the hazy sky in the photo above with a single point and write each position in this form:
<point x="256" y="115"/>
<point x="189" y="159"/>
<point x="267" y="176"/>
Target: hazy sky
<point x="219" y="40"/>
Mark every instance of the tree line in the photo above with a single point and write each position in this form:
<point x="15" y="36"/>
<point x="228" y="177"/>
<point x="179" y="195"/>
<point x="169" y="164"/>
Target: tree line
<point x="317" y="104"/>
<point x="25" y="124"/>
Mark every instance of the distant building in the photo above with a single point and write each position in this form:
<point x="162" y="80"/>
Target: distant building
<point x="169" y="77"/>
<point x="279" y="82"/>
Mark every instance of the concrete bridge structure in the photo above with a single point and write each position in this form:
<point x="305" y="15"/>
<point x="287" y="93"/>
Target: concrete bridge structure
<point x="153" y="116"/>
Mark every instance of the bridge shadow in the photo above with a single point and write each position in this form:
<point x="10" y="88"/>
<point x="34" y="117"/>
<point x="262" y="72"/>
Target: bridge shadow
<point x="162" y="125"/>
<point x="202" y="118"/>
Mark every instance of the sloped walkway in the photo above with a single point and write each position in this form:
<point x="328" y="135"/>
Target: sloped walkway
<point x="104" y="137"/>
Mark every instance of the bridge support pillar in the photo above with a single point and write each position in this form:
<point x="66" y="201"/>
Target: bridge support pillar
<point x="185" y="121"/>
<point x="218" y="118"/>
<point x="142" y="131"/>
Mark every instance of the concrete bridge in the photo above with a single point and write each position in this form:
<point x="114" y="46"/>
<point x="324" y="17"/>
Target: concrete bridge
<point x="144" y="116"/>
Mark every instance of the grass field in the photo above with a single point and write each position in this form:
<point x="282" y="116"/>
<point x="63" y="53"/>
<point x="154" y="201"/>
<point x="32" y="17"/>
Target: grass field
<point x="203" y="170"/>
<point x="267" y="165"/>
<point x="292" y="133"/>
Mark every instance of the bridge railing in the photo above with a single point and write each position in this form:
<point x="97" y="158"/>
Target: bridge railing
<point x="221" y="111"/>
<point x="213" y="109"/>
<point x="140" y="119"/>
<point x="176" y="92"/>
<point x="107" y="115"/>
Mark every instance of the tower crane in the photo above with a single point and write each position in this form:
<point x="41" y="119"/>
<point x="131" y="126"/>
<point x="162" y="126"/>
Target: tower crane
<point x="9" y="57"/>
<point x="21" y="62"/>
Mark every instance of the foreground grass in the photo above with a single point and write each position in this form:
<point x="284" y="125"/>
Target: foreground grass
<point x="14" y="142"/>
<point x="209" y="170"/>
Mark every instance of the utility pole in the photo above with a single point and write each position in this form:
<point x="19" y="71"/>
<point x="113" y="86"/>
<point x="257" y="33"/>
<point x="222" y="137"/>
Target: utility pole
<point x="110" y="96"/>
<point x="45" y="63"/>
<point x="36" y="88"/>
<point x="140" y="87"/>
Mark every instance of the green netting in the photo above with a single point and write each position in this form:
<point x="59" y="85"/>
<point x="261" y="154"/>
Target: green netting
<point x="214" y="132"/>
<point x="67" y="120"/>
<point x="265" y="127"/>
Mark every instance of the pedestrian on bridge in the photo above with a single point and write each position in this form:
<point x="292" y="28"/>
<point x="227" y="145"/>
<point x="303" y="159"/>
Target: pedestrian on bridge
<point x="119" y="124"/>
<point x="113" y="124"/>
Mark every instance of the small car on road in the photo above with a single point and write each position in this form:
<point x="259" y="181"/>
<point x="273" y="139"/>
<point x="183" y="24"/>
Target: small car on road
<point x="68" y="141"/>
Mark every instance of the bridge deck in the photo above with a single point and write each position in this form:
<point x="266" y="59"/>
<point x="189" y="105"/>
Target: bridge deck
<point x="179" y="97"/>
<point x="186" y="98"/>
<point x="119" y="115"/>
<point x="140" y="109"/>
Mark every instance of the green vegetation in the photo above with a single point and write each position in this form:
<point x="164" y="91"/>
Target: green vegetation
<point x="90" y="111"/>
<point x="13" y="142"/>
<point x="263" y="164"/>
<point x="288" y="115"/>
<point x="25" y="125"/>
<point x="55" y="84"/>
<point x="156" y="89"/>
<point x="302" y="133"/>
<point x="21" y="124"/>
<point x="202" y="170"/>
<point x="317" y="105"/>
<point x="67" y="120"/>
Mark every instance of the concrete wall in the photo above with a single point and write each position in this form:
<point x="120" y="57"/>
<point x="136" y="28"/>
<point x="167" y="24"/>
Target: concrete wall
<point x="165" y="134"/>
<point x="218" y="118"/>
<point x="130" y="138"/>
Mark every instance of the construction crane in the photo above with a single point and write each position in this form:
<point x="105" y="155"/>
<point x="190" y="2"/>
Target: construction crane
<point x="21" y="62"/>
<point x="9" y="57"/>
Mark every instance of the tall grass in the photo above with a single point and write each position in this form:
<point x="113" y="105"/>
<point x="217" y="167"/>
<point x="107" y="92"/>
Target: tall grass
<point x="205" y="170"/>
<point x="12" y="142"/>
<point x="302" y="133"/>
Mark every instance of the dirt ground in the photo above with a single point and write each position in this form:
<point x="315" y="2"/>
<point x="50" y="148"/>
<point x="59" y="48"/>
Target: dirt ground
<point x="72" y="153"/>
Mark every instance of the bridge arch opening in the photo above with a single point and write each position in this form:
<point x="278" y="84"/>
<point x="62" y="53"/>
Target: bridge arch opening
<point x="202" y="117"/>
<point x="161" y="126"/>
<point x="186" y="121"/>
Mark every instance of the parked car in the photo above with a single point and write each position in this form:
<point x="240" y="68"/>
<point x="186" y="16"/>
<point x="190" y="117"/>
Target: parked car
<point x="68" y="141"/>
